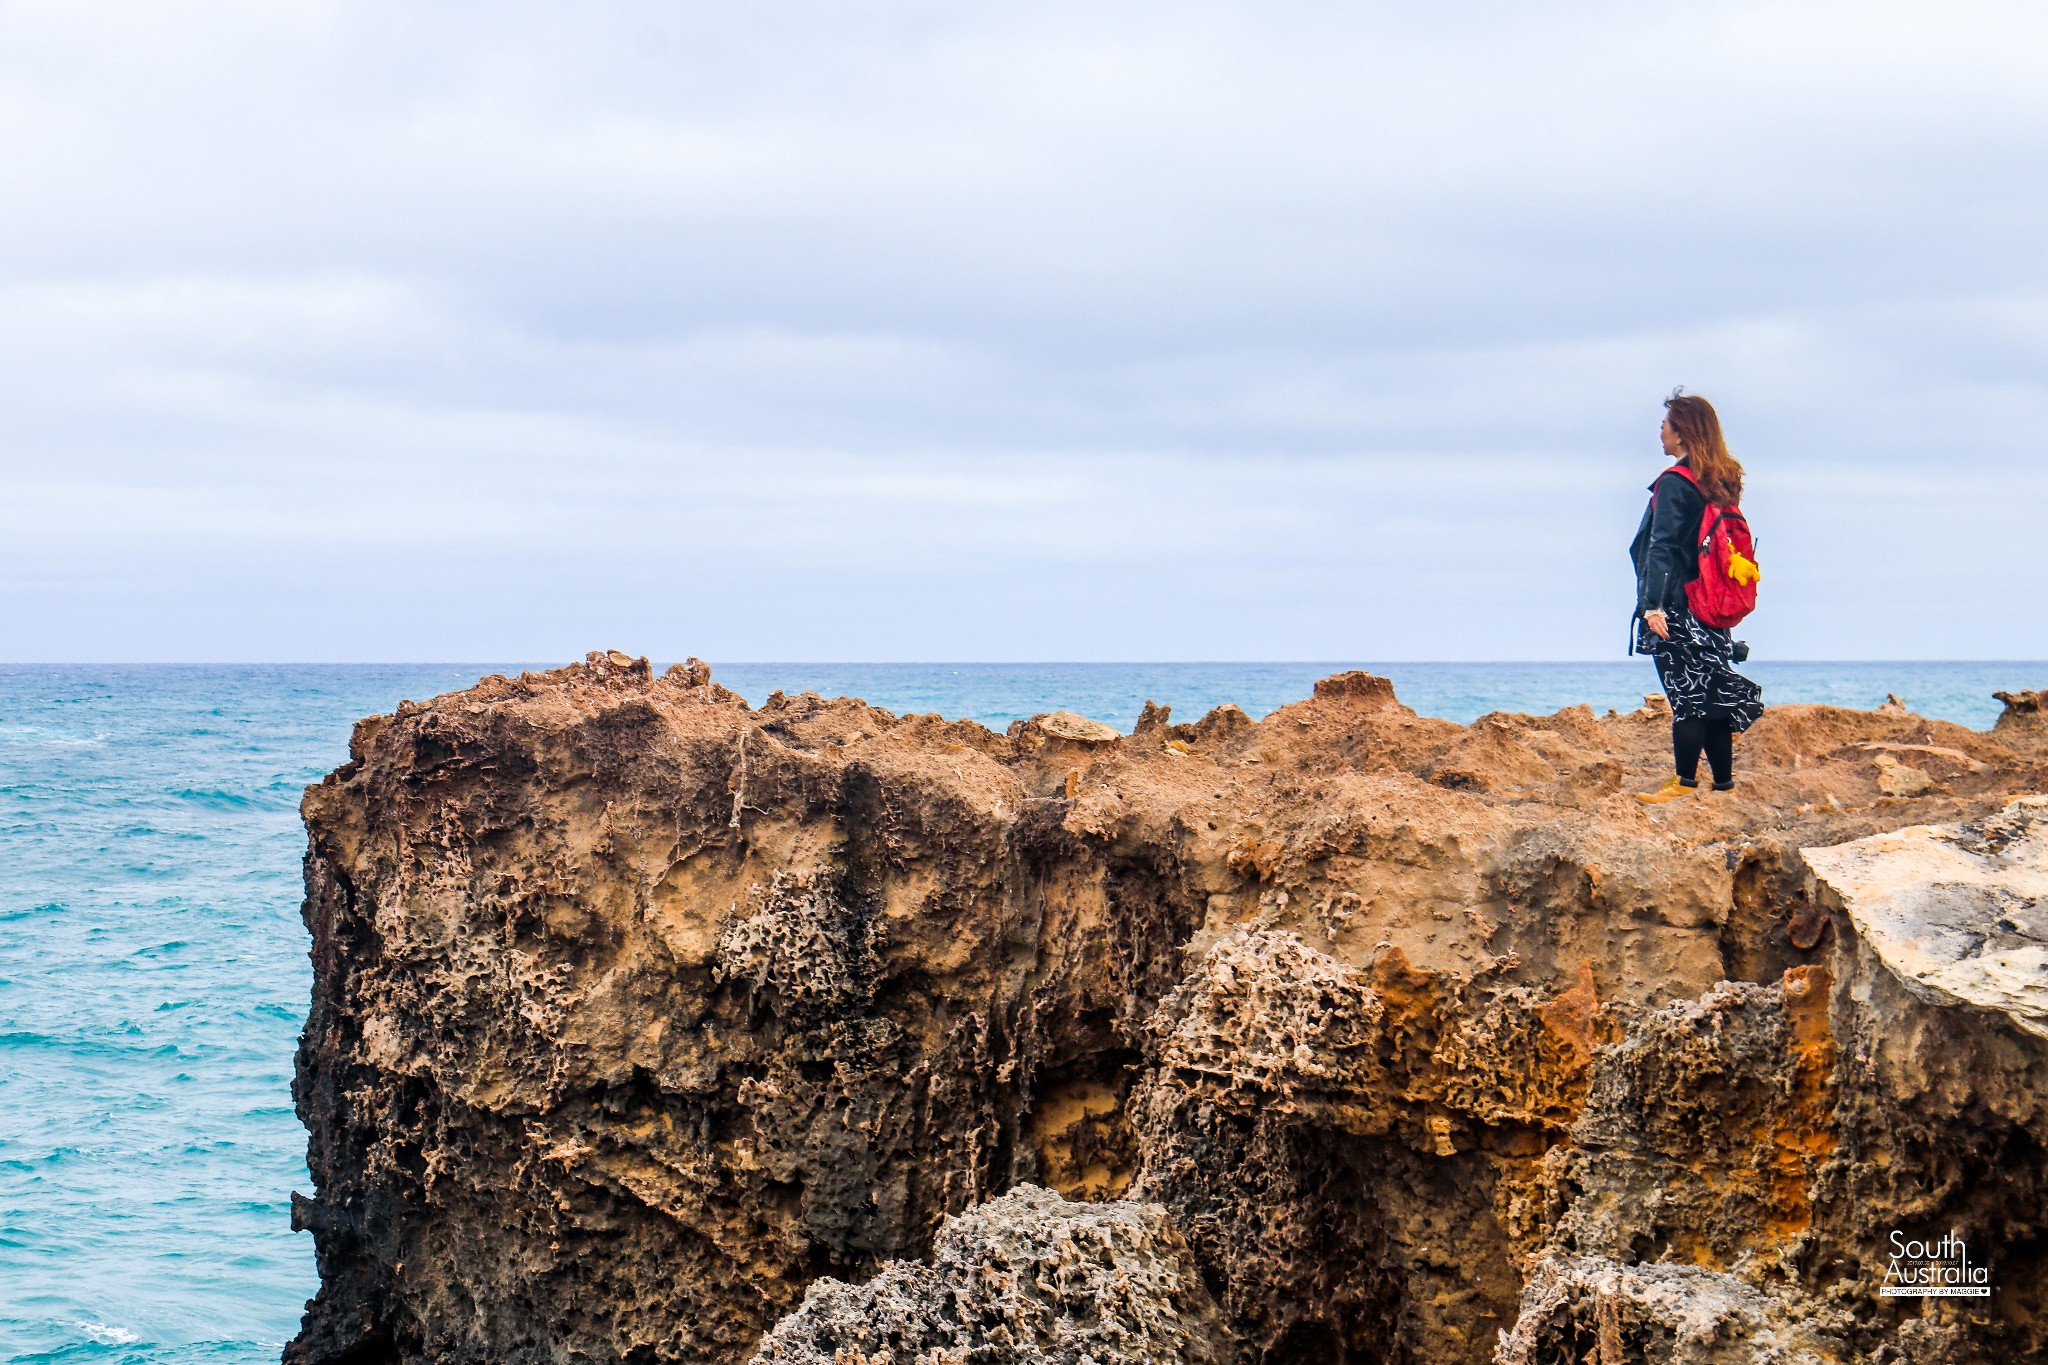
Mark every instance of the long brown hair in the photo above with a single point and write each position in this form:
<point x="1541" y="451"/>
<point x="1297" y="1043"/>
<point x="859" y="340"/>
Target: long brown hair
<point x="1698" y="429"/>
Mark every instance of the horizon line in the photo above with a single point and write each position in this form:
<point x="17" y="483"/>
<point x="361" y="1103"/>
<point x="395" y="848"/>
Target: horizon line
<point x="531" y="664"/>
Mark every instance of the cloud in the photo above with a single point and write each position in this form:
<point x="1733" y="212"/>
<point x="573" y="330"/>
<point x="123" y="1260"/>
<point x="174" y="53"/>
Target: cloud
<point x="1059" y="331"/>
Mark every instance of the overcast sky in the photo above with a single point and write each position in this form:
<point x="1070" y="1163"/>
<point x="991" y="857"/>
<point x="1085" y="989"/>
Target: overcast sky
<point x="769" y="329"/>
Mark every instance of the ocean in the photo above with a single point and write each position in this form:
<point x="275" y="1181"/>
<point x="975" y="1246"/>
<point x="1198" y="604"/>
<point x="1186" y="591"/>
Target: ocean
<point x="153" y="972"/>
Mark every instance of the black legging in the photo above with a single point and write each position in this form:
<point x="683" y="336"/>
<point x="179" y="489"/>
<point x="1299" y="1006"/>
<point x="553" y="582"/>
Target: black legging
<point x="1716" y="736"/>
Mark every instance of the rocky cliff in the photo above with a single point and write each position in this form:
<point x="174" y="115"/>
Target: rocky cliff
<point x="651" y="1027"/>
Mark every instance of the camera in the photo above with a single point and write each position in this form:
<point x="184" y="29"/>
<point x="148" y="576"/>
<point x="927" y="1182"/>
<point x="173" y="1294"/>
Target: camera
<point x="1740" y="652"/>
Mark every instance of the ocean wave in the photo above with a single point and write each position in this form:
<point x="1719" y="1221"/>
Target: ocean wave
<point x="27" y="912"/>
<point x="103" y="1042"/>
<point x="56" y="1156"/>
<point x="265" y="1112"/>
<point x="33" y="736"/>
<point x="215" y="798"/>
<point x="24" y="1038"/>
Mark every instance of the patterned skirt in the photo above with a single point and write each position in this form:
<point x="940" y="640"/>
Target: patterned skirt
<point x="1698" y="673"/>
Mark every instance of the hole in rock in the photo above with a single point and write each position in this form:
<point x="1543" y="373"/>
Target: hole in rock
<point x="1078" y="1127"/>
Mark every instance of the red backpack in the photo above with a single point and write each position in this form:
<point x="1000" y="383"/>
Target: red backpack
<point x="1725" y="591"/>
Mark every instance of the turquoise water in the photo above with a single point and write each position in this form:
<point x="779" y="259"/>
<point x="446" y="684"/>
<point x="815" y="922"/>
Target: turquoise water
<point x="153" y="969"/>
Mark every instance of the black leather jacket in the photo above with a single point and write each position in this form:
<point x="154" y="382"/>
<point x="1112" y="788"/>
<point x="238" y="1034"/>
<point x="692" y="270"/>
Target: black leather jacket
<point x="1666" y="550"/>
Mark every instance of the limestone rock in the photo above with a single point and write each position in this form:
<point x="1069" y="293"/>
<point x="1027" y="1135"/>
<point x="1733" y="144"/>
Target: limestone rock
<point x="644" y="1019"/>
<point x="2023" y="710"/>
<point x="1268" y="1014"/>
<point x="1959" y="914"/>
<point x="1896" y="779"/>
<point x="1027" y="1279"/>
<point x="1593" y="1310"/>
<point x="1077" y="729"/>
<point x="796" y="937"/>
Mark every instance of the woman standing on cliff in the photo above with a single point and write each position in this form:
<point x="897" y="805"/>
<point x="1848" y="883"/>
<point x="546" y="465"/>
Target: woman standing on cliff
<point x="1710" y="702"/>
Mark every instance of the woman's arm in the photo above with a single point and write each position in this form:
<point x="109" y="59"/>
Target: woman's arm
<point x="1672" y="527"/>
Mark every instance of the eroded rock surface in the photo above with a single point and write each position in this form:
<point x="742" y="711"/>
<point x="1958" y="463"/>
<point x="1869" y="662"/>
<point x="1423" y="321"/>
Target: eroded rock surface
<point x="1025" y="1279"/>
<point x="1595" y="1310"/>
<point x="640" y="1015"/>
<point x="1958" y="913"/>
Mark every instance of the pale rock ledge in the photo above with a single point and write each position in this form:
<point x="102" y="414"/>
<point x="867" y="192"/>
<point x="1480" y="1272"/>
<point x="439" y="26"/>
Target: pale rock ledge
<point x="1959" y="913"/>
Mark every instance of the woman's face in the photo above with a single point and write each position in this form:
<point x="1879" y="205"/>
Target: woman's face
<point x="1670" y="439"/>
